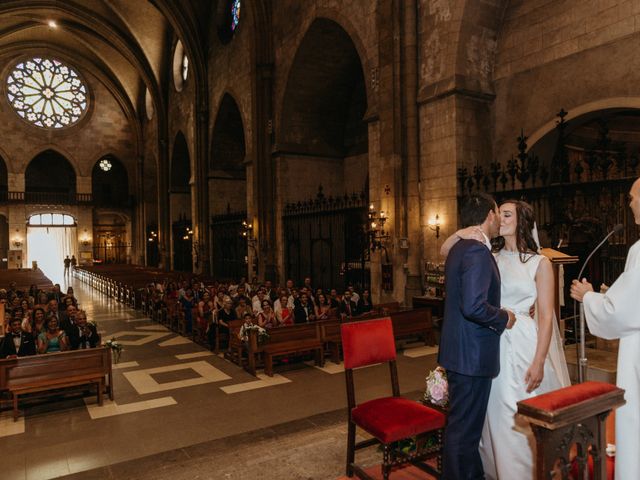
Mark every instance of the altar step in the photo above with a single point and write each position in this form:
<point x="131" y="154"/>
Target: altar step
<point x="601" y="364"/>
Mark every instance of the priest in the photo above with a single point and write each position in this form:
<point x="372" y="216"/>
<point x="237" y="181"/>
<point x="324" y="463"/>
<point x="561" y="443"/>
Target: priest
<point x="614" y="314"/>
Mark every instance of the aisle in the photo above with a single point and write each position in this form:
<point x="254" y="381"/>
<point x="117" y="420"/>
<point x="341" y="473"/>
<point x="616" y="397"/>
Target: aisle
<point x="169" y="393"/>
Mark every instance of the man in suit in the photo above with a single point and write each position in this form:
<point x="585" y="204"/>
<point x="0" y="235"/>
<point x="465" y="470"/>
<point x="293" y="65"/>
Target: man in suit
<point x="17" y="343"/>
<point x="82" y="334"/>
<point x="470" y="339"/>
<point x="303" y="311"/>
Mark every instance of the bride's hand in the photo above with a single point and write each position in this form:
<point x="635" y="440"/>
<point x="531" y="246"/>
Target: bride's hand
<point x="470" y="233"/>
<point x="534" y="376"/>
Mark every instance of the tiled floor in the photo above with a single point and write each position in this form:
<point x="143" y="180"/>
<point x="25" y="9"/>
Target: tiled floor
<point x="173" y="396"/>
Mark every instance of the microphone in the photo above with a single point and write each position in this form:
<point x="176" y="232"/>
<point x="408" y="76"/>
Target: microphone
<point x="618" y="228"/>
<point x="582" y="359"/>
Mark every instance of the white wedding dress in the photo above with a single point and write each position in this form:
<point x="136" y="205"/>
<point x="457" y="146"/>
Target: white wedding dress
<point x="507" y="447"/>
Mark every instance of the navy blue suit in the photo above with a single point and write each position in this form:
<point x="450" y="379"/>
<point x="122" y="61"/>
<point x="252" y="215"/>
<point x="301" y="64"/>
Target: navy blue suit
<point x="470" y="351"/>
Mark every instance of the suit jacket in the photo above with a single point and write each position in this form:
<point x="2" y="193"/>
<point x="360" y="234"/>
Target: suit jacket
<point x="27" y="346"/>
<point x="301" y="313"/>
<point x="473" y="320"/>
<point x="77" y="340"/>
<point x="349" y="309"/>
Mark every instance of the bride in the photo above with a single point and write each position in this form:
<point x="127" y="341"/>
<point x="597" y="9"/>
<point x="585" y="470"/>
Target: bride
<point x="531" y="355"/>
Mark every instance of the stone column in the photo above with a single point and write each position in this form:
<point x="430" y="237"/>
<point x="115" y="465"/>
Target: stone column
<point x="164" y="224"/>
<point x="200" y="194"/>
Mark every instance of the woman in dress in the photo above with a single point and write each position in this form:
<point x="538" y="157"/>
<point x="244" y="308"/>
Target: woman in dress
<point x="322" y="307"/>
<point x="52" y="339"/>
<point x="284" y="314"/>
<point x="267" y="317"/>
<point x="531" y="355"/>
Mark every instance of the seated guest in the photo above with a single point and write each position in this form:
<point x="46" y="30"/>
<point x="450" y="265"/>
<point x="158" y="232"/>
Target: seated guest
<point x="303" y="312"/>
<point x="354" y="295"/>
<point x="348" y="307"/>
<point x="323" y="307"/>
<point x="52" y="308"/>
<point x="364" y="304"/>
<point x="36" y="325"/>
<point x="17" y="343"/>
<point x="284" y="314"/>
<point x="82" y="334"/>
<point x="205" y="312"/>
<point x="223" y="317"/>
<point x="256" y="301"/>
<point x="188" y="302"/>
<point x="243" y="308"/>
<point x="67" y="317"/>
<point x="52" y="339"/>
<point x="267" y="317"/>
<point x="334" y="298"/>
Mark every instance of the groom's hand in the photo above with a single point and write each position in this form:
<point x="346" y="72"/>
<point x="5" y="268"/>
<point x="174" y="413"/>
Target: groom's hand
<point x="512" y="320"/>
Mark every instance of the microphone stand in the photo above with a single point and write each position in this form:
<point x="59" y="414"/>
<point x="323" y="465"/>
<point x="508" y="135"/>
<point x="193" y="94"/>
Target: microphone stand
<point x="582" y="357"/>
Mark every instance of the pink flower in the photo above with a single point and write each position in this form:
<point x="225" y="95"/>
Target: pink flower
<point x="438" y="392"/>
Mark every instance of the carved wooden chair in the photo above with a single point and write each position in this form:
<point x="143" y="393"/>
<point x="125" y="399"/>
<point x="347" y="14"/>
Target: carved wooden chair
<point x="389" y="419"/>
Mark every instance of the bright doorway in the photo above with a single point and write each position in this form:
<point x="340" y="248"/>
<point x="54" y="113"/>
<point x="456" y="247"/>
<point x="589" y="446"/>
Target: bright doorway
<point x="50" y="238"/>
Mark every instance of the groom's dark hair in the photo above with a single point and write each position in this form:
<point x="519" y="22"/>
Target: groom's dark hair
<point x="475" y="209"/>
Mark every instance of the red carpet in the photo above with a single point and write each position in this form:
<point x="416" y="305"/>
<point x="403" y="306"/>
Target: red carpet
<point x="407" y="473"/>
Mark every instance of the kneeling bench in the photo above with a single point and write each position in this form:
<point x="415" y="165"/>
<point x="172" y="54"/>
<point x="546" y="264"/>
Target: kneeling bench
<point x="571" y="415"/>
<point x="51" y="371"/>
<point x="289" y="340"/>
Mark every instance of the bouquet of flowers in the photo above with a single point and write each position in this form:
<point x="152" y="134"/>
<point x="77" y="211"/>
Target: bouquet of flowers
<point x="437" y="391"/>
<point x="263" y="336"/>
<point x="116" y="349"/>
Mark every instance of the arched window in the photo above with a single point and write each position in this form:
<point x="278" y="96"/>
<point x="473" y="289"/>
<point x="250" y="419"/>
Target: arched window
<point x="51" y="220"/>
<point x="227" y="19"/>
<point x="47" y="93"/>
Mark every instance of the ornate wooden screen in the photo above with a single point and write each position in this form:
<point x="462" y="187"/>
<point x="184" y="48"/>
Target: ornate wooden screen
<point x="579" y="195"/>
<point x="325" y="239"/>
<point x="229" y="246"/>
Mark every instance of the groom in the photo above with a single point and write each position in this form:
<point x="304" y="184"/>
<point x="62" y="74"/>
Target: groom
<point x="470" y="339"/>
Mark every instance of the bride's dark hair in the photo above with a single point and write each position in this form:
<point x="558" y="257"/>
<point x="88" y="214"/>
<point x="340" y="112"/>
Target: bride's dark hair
<point x="525" y="221"/>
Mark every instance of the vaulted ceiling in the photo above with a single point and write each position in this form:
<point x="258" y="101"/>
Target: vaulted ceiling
<point x="126" y="44"/>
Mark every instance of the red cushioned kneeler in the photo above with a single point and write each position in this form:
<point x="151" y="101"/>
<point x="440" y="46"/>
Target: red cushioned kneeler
<point x="573" y="419"/>
<point x="387" y="419"/>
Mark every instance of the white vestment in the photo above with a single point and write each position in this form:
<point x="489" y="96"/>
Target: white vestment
<point x="616" y="314"/>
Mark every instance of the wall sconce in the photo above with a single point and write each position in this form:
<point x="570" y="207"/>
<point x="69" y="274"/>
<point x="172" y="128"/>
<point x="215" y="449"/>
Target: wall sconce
<point x="17" y="242"/>
<point x="153" y="237"/>
<point x="435" y="224"/>
<point x="188" y="234"/>
<point x="86" y="239"/>
<point x="375" y="229"/>
<point x="247" y="230"/>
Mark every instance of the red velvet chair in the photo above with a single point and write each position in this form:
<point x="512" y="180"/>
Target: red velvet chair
<point x="390" y="419"/>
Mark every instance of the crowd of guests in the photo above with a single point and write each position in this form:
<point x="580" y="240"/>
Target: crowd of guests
<point x="211" y="308"/>
<point x="42" y="321"/>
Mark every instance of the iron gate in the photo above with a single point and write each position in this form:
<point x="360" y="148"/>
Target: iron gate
<point x="325" y="239"/>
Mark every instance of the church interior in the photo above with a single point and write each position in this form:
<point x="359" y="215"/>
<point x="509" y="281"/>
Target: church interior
<point x="157" y="151"/>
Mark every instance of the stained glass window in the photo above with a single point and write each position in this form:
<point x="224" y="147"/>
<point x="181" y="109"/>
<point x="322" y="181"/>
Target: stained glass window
<point x="47" y="93"/>
<point x="235" y="14"/>
<point x="105" y="164"/>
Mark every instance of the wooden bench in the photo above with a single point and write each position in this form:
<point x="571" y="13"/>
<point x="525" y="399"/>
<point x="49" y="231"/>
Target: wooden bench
<point x="331" y="337"/>
<point x="40" y="373"/>
<point x="293" y="339"/>
<point x="414" y="322"/>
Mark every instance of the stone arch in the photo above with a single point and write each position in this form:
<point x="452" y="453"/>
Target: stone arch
<point x="325" y="84"/>
<point x="50" y="172"/>
<point x="575" y="112"/>
<point x="180" y="173"/>
<point x="349" y="30"/>
<point x="228" y="147"/>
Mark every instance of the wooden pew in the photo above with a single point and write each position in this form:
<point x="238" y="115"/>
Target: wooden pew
<point x="414" y="322"/>
<point x="303" y="337"/>
<point x="40" y="373"/>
